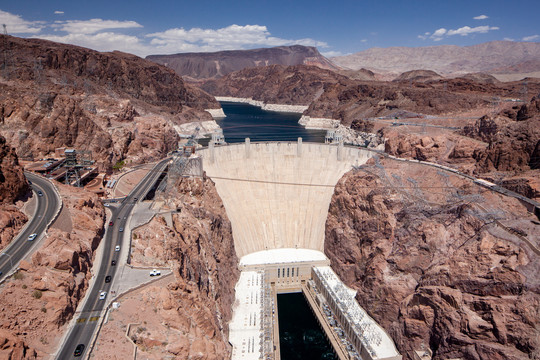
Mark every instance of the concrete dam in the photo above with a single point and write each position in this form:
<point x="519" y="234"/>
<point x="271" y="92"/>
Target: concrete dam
<point x="277" y="195"/>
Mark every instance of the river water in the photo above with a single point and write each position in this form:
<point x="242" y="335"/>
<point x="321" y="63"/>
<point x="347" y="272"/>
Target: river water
<point x="244" y="120"/>
<point x="300" y="336"/>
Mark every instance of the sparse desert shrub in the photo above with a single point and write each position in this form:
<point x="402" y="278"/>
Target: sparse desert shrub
<point x="24" y="286"/>
<point x="37" y="294"/>
<point x="18" y="275"/>
<point x="44" y="309"/>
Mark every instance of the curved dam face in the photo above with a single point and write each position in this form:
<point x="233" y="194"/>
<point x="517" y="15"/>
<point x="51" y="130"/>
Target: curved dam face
<point x="277" y="194"/>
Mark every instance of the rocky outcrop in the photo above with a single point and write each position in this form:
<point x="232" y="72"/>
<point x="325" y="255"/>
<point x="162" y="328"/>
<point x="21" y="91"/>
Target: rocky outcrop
<point x="12" y="347"/>
<point x="40" y="299"/>
<point x="13" y="184"/>
<point x="56" y="95"/>
<point x="418" y="76"/>
<point x="199" y="246"/>
<point x="213" y="65"/>
<point x="431" y="266"/>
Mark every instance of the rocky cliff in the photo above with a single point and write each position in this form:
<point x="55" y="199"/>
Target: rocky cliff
<point x="433" y="266"/>
<point x="330" y="95"/>
<point x="204" y="66"/>
<point x="13" y="186"/>
<point x="115" y="104"/>
<point x="197" y="243"/>
<point x="40" y="299"/>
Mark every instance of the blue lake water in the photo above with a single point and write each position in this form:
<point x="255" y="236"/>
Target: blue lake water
<point x="244" y="120"/>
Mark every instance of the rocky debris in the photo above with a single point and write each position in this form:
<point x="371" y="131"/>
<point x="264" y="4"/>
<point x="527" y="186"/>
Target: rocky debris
<point x="431" y="267"/>
<point x="213" y="65"/>
<point x="60" y="95"/>
<point x="41" y="298"/>
<point x="197" y="242"/>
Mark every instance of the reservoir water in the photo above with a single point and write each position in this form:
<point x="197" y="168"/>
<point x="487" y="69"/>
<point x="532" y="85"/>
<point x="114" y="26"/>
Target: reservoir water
<point x="300" y="336"/>
<point x="244" y="120"/>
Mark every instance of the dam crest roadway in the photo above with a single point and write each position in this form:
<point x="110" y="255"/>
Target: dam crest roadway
<point x="277" y="195"/>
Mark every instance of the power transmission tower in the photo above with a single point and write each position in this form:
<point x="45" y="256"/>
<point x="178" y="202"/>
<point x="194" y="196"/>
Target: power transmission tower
<point x="7" y="54"/>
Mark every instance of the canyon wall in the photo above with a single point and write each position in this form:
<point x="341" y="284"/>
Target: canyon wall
<point x="433" y="264"/>
<point x="194" y="308"/>
<point x="116" y="105"/>
<point x="41" y="298"/>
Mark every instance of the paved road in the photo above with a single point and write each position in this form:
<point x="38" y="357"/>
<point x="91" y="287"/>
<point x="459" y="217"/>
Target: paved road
<point x="89" y="318"/>
<point x="47" y="205"/>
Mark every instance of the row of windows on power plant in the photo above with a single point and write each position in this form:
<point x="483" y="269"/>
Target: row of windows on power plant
<point x="281" y="272"/>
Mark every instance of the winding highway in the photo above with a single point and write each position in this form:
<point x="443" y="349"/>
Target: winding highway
<point x="47" y="205"/>
<point x="89" y="317"/>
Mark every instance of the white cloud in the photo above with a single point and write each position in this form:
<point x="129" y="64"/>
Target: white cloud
<point x="531" y="38"/>
<point x="230" y="37"/>
<point x="508" y="39"/>
<point x="105" y="41"/>
<point x="439" y="34"/>
<point x="363" y="40"/>
<point x="466" y="30"/>
<point x="16" y="25"/>
<point x="93" y="26"/>
<point x="108" y="35"/>
<point x="480" y="17"/>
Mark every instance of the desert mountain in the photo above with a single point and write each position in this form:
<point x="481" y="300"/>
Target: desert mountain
<point x="197" y="66"/>
<point x="496" y="57"/>
<point x="117" y="105"/>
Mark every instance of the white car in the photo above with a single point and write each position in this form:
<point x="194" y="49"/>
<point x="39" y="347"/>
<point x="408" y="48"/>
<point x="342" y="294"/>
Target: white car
<point x="155" y="272"/>
<point x="117" y="248"/>
<point x="102" y="295"/>
<point x="32" y="237"/>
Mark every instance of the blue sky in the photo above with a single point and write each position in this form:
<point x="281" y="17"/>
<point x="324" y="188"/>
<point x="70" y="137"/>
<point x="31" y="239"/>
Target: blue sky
<point x="336" y="28"/>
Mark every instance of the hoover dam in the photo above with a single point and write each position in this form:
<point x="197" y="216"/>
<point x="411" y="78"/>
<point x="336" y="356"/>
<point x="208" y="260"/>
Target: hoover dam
<point x="277" y="195"/>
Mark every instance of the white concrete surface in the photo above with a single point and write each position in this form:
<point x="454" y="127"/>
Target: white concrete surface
<point x="216" y="113"/>
<point x="246" y="326"/>
<point x="277" y="194"/>
<point x="205" y="128"/>
<point x="280" y="256"/>
<point x="373" y="337"/>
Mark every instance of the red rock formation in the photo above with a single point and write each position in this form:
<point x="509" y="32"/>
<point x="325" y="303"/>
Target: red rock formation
<point x="204" y="66"/>
<point x="60" y="95"/>
<point x="13" y="184"/>
<point x="431" y="267"/>
<point x="41" y="298"/>
<point x="13" y="348"/>
<point x="199" y="245"/>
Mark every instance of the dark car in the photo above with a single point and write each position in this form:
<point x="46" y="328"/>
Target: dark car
<point x="113" y="262"/>
<point x="111" y="223"/>
<point x="135" y="199"/>
<point x="108" y="278"/>
<point x="78" y="350"/>
<point x="40" y="193"/>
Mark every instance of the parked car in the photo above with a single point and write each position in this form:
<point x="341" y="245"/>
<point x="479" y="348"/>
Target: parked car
<point x="78" y="350"/>
<point x="32" y="237"/>
<point x="155" y="272"/>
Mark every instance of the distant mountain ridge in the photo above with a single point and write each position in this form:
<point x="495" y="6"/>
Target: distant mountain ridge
<point x="496" y="57"/>
<point x="214" y="65"/>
